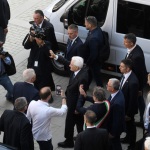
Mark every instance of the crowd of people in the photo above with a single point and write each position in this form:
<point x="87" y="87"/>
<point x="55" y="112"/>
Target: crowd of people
<point x="100" y="125"/>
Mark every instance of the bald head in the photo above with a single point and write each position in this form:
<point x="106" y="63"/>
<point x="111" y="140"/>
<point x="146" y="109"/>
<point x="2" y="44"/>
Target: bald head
<point x="45" y="93"/>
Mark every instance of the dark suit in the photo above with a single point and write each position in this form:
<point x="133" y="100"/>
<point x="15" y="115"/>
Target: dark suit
<point x="74" y="50"/>
<point x="27" y="90"/>
<point x="100" y="109"/>
<point x="139" y="68"/>
<point x="130" y="91"/>
<point x="91" y="48"/>
<point x="92" y="139"/>
<point x="116" y="121"/>
<point x="4" y="13"/>
<point x="50" y="35"/>
<point x="72" y="94"/>
<point x="44" y="68"/>
<point x="4" y="17"/>
<point x="17" y="130"/>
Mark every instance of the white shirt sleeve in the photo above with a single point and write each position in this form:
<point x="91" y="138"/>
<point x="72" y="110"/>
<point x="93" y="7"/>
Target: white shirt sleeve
<point x="57" y="111"/>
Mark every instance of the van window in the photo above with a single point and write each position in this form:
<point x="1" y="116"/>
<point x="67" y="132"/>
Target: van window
<point x="83" y="8"/>
<point x="133" y="18"/>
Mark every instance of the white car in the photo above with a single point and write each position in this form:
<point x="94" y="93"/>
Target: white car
<point x="116" y="17"/>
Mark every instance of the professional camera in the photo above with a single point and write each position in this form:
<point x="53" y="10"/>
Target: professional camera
<point x="2" y="52"/>
<point x="38" y="32"/>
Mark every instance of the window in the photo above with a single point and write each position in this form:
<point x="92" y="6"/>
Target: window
<point x="83" y="8"/>
<point x="133" y="18"/>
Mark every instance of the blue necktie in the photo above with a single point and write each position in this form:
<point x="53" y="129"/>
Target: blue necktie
<point x="69" y="45"/>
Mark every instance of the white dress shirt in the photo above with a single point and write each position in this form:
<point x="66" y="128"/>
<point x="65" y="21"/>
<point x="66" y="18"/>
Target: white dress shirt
<point x="126" y="75"/>
<point x="41" y="115"/>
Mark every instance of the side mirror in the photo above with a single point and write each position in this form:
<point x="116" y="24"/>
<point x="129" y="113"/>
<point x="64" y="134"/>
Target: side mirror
<point x="64" y="19"/>
<point x="65" y="22"/>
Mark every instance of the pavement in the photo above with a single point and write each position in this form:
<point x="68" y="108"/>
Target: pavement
<point x="21" y="14"/>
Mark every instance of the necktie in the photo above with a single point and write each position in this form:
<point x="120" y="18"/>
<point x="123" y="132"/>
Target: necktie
<point x="121" y="83"/>
<point x="110" y="97"/>
<point x="69" y="45"/>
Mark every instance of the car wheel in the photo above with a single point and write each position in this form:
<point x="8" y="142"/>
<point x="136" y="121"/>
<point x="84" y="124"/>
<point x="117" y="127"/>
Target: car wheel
<point x="58" y="67"/>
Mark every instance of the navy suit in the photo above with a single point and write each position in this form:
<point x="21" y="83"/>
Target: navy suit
<point x="92" y="139"/>
<point x="91" y="48"/>
<point x="27" y="90"/>
<point x="130" y="91"/>
<point x="116" y="121"/>
<point x="139" y="68"/>
<point x="74" y="50"/>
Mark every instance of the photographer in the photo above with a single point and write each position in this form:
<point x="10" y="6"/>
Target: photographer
<point x="39" y="59"/>
<point x="4" y="79"/>
<point x="42" y="23"/>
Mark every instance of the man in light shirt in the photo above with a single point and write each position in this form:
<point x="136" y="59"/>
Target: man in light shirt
<point x="41" y="115"/>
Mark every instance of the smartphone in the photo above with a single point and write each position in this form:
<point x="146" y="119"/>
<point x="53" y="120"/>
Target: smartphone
<point x="58" y="89"/>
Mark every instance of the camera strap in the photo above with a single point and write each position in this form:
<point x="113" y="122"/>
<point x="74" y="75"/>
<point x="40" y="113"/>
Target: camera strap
<point x="25" y="39"/>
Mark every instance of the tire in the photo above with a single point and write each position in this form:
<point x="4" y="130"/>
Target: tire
<point x="58" y="67"/>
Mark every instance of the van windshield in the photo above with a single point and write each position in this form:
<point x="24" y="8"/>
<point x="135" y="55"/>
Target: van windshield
<point x="58" y="5"/>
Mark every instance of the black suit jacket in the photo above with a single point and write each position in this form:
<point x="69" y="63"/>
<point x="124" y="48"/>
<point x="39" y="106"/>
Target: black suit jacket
<point x="74" y="49"/>
<point x="27" y="90"/>
<point x="50" y="35"/>
<point x="130" y="91"/>
<point x="100" y="109"/>
<point x="139" y="67"/>
<point x="72" y="91"/>
<point x="92" y="46"/>
<point x="17" y="130"/>
<point x="116" y="118"/>
<point x="4" y="13"/>
<point x="92" y="139"/>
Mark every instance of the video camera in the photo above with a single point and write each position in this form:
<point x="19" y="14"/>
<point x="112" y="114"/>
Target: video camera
<point x="38" y="32"/>
<point x="2" y="52"/>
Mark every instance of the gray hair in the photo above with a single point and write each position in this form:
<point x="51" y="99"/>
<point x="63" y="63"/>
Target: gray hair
<point x="115" y="83"/>
<point x="20" y="103"/>
<point x="91" y="20"/>
<point x="99" y="93"/>
<point x="73" y="27"/>
<point x="28" y="74"/>
<point x="78" y="61"/>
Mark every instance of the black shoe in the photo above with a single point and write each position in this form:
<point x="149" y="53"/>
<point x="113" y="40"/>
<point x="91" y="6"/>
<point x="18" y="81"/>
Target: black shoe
<point x="74" y="138"/>
<point x="66" y="144"/>
<point x="131" y="148"/>
<point x="124" y="140"/>
<point x="139" y="124"/>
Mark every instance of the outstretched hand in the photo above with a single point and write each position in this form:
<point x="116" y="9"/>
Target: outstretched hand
<point x="52" y="55"/>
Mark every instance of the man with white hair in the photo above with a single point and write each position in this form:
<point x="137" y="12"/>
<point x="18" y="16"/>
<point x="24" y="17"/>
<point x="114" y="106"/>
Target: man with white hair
<point x="116" y="119"/>
<point x="26" y="88"/>
<point x="78" y="76"/>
